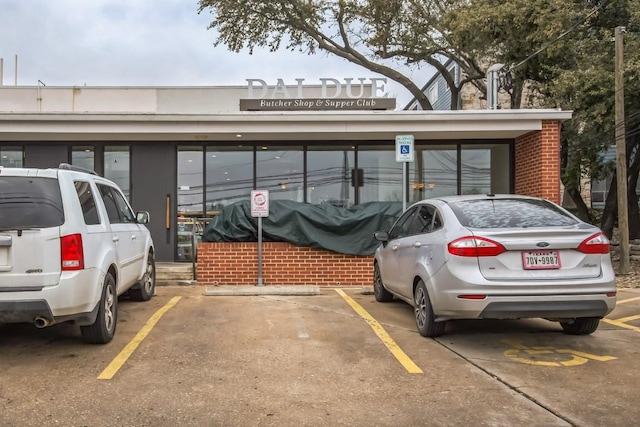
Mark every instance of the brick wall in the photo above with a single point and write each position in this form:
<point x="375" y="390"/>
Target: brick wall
<point x="537" y="158"/>
<point x="282" y="264"/>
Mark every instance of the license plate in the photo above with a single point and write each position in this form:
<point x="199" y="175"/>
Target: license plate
<point x="540" y="260"/>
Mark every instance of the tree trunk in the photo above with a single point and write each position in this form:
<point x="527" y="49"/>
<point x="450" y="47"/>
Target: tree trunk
<point x="632" y="182"/>
<point x="570" y="182"/>
<point x="455" y="94"/>
<point x="582" y="210"/>
<point x="610" y="213"/>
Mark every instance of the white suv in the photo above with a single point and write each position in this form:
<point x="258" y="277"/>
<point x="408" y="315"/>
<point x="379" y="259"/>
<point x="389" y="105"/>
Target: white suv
<point x="70" y="244"/>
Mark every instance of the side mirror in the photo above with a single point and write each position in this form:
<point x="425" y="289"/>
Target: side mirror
<point x="381" y="236"/>
<point x="142" y="217"/>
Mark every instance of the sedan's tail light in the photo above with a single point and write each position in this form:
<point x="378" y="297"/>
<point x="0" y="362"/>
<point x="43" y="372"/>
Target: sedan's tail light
<point x="596" y="244"/>
<point x="471" y="246"/>
<point x="71" y="252"/>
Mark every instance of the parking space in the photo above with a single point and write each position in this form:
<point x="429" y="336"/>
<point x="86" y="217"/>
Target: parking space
<point x="317" y="360"/>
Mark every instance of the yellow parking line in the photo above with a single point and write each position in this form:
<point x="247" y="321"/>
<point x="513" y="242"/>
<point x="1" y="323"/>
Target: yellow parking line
<point x="402" y="357"/>
<point x="624" y="301"/>
<point x="627" y="319"/>
<point x="121" y="358"/>
<point x="622" y="325"/>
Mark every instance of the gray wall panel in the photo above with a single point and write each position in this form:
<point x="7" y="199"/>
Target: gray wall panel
<point x="153" y="177"/>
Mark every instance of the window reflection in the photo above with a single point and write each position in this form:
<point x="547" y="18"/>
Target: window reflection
<point x="280" y="170"/>
<point x="382" y="175"/>
<point x="229" y="177"/>
<point x="485" y="169"/>
<point x="11" y="157"/>
<point x="117" y="167"/>
<point x="434" y="172"/>
<point x="329" y="175"/>
<point x="83" y="156"/>
<point x="190" y="178"/>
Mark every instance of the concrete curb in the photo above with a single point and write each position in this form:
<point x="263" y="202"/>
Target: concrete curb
<point x="242" y="290"/>
<point x="176" y="283"/>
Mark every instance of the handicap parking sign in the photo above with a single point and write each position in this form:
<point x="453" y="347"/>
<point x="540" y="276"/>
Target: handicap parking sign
<point x="404" y="148"/>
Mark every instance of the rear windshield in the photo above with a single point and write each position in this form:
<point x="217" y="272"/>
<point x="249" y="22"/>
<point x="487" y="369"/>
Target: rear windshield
<point x="510" y="213"/>
<point x="30" y="202"/>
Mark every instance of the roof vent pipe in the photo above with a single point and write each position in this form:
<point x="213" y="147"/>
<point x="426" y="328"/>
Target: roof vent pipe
<point x="493" y="86"/>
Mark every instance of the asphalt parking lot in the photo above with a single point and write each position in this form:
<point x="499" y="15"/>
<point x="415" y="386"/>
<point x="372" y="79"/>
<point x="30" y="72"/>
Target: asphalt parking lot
<point x="338" y="358"/>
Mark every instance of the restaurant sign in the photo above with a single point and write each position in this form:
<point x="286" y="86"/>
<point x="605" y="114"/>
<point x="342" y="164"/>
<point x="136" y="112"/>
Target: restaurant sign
<point x="331" y="94"/>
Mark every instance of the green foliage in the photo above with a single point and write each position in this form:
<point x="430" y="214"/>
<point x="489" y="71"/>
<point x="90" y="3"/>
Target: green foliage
<point x="559" y="53"/>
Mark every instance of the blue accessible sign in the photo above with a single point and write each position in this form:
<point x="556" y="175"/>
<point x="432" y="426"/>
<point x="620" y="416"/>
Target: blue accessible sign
<point x="404" y="148"/>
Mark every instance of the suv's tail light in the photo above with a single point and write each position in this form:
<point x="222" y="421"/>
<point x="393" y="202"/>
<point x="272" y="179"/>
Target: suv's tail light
<point x="475" y="246"/>
<point x="596" y="244"/>
<point x="71" y="252"/>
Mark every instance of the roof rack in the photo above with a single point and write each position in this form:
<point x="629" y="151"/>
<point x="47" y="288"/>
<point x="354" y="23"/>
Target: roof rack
<point x="67" y="166"/>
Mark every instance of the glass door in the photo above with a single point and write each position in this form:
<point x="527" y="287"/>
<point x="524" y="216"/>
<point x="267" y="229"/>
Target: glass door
<point x="190" y="204"/>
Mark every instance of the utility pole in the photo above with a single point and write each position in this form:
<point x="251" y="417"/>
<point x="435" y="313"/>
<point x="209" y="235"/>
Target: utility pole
<point x="621" y="155"/>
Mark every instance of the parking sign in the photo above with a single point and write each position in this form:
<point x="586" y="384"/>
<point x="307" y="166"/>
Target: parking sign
<point x="404" y="148"/>
<point x="259" y="203"/>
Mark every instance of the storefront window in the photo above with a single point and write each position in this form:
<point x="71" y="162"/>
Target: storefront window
<point x="190" y="179"/>
<point x="11" y="157"/>
<point x="433" y="173"/>
<point x="117" y="167"/>
<point x="485" y="169"/>
<point x="229" y="177"/>
<point x="329" y="175"/>
<point x="190" y="199"/>
<point x="381" y="179"/>
<point x="280" y="170"/>
<point x="83" y="156"/>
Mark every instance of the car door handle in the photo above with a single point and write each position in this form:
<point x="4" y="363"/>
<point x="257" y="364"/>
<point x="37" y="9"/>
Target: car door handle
<point x="417" y="244"/>
<point x="394" y="247"/>
<point x="133" y="237"/>
<point x="115" y="239"/>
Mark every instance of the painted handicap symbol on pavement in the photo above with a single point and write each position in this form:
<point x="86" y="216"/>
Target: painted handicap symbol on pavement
<point x="549" y="356"/>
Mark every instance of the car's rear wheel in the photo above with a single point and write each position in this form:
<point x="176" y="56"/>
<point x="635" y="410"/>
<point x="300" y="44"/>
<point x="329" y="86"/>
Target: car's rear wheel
<point x="104" y="327"/>
<point x="581" y="325"/>
<point x="425" y="319"/>
<point x="381" y="294"/>
<point x="146" y="288"/>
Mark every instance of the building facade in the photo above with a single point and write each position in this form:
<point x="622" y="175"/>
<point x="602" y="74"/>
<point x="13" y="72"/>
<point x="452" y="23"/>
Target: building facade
<point x="183" y="153"/>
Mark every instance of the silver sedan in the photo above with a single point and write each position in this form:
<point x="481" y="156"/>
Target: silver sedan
<point x="495" y="257"/>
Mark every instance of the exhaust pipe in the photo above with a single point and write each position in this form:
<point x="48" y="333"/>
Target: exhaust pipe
<point x="41" y="322"/>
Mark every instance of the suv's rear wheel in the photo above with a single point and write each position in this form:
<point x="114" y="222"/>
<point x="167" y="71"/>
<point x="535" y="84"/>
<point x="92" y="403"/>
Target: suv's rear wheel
<point x="103" y="329"/>
<point x="146" y="288"/>
<point x="581" y="325"/>
<point x="425" y="319"/>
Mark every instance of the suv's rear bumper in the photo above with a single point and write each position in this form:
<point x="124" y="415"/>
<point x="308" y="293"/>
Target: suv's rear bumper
<point x="30" y="311"/>
<point x="75" y="297"/>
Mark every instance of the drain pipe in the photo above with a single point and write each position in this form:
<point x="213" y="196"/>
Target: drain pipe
<point x="1" y="71"/>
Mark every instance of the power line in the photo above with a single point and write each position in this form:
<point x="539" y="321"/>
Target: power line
<point x="557" y="38"/>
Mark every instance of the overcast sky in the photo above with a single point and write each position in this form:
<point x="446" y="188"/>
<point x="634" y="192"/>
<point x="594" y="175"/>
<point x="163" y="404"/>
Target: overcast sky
<point x="144" y="43"/>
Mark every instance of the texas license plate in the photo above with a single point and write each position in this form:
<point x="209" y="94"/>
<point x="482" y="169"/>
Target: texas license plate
<point x="540" y="260"/>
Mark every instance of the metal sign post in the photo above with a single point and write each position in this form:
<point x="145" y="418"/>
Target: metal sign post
<point x="404" y="154"/>
<point x="259" y="209"/>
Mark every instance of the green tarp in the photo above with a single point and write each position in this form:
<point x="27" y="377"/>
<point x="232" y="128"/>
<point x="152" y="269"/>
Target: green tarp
<point x="343" y="230"/>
